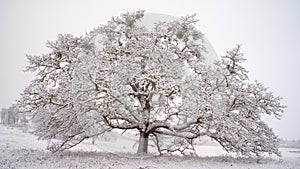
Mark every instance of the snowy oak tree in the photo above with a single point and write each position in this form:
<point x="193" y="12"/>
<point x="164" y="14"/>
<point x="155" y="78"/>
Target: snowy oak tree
<point x="155" y="82"/>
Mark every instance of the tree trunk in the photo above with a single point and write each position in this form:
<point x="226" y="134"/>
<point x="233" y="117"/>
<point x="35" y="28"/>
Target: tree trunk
<point x="143" y="143"/>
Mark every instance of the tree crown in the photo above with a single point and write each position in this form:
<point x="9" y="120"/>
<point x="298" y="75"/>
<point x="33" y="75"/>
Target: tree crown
<point x="125" y="76"/>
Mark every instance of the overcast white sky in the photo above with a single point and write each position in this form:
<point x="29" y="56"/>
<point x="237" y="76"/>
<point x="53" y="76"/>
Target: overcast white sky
<point x="268" y="30"/>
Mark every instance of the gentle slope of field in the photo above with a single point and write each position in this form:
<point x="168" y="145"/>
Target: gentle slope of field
<point x="22" y="150"/>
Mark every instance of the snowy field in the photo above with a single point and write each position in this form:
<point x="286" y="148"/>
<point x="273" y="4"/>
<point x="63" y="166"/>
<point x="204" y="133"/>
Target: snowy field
<point x="19" y="150"/>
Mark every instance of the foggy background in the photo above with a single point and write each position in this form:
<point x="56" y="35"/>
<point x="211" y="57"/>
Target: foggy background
<point x="268" y="30"/>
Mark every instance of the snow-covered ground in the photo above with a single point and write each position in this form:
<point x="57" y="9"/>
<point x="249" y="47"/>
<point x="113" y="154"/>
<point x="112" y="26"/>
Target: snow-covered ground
<point x="19" y="150"/>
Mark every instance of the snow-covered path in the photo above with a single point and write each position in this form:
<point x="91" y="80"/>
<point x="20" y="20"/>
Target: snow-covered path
<point x="19" y="150"/>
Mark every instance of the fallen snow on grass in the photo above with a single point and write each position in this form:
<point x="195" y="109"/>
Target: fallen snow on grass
<point x="19" y="150"/>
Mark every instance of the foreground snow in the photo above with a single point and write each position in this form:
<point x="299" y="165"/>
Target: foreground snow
<point x="20" y="150"/>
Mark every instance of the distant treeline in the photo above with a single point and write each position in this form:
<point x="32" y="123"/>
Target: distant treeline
<point x="12" y="116"/>
<point x="290" y="143"/>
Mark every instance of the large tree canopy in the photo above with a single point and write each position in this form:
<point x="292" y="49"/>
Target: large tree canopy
<point x="156" y="82"/>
